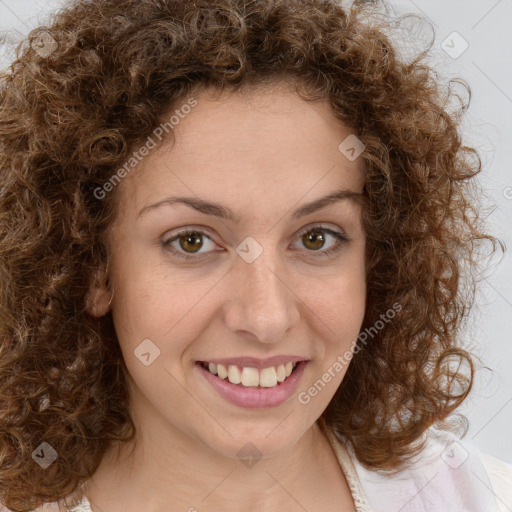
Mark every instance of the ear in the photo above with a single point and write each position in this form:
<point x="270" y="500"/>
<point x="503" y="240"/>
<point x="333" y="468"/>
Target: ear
<point x="99" y="296"/>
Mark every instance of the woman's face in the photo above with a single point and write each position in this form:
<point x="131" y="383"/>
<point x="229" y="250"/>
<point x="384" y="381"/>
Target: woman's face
<point x="257" y="290"/>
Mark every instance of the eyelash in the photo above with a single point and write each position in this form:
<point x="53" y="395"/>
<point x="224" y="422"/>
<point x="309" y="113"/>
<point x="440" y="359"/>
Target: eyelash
<point x="340" y="238"/>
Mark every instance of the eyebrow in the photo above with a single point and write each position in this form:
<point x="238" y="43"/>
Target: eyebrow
<point x="218" y="210"/>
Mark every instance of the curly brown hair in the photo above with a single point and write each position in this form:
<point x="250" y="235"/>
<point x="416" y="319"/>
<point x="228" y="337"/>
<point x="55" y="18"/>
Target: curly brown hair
<point x="69" y="119"/>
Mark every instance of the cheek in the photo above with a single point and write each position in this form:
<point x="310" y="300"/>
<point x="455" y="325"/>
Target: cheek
<point x="340" y="311"/>
<point x="339" y="301"/>
<point x="169" y="311"/>
<point x="151" y="295"/>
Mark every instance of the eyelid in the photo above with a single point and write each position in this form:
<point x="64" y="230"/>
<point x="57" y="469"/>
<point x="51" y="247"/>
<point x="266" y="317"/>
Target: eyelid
<point x="339" y="234"/>
<point x="322" y="226"/>
<point x="183" y="232"/>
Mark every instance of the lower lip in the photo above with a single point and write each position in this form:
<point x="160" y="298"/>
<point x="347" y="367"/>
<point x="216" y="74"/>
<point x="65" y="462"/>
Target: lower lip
<point x="251" y="397"/>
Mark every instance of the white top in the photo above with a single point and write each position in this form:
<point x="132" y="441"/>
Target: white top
<point x="449" y="474"/>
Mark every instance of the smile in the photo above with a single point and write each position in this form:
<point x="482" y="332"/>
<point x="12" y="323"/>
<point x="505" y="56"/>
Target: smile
<point x="250" y="387"/>
<point x="251" y="377"/>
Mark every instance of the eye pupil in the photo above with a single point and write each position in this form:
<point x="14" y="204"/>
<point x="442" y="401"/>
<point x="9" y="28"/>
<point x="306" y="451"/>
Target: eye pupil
<point x="316" y="237"/>
<point x="189" y="239"/>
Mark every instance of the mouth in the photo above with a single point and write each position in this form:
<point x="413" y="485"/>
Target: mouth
<point x="250" y="387"/>
<point x="247" y="376"/>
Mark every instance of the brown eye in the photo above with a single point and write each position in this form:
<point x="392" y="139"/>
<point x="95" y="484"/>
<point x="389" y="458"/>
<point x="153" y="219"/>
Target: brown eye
<point x="191" y="242"/>
<point x="316" y="240"/>
<point x="188" y="244"/>
<point x="315" y="237"/>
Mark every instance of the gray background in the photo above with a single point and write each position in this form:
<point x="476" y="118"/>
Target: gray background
<point x="486" y="65"/>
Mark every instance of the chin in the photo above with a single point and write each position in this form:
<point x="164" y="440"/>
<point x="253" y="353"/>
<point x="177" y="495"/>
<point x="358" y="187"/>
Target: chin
<point x="257" y="440"/>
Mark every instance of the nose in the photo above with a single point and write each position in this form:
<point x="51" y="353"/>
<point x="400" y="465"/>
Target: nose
<point x="261" y="302"/>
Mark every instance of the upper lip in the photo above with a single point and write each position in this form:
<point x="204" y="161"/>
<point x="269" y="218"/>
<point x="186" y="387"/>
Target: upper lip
<point x="254" y="362"/>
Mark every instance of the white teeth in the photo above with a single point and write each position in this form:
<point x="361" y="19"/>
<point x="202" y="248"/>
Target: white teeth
<point x="268" y="377"/>
<point x="252" y="377"/>
<point x="222" y="371"/>
<point x="234" y="375"/>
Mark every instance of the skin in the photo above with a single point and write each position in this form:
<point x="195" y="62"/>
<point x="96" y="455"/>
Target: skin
<point x="262" y="153"/>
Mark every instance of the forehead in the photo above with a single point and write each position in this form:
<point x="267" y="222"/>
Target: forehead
<point x="256" y="143"/>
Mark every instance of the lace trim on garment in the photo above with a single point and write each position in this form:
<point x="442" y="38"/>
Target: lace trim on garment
<point x="80" y="503"/>
<point x="447" y="474"/>
<point x="499" y="472"/>
<point x="344" y="460"/>
<point x="348" y="469"/>
<point x="83" y="506"/>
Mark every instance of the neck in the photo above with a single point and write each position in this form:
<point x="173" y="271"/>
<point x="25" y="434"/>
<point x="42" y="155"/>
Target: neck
<point x="164" y="468"/>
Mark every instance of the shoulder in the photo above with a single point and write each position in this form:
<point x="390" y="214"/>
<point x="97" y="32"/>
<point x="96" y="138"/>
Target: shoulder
<point x="500" y="476"/>
<point x="450" y="469"/>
